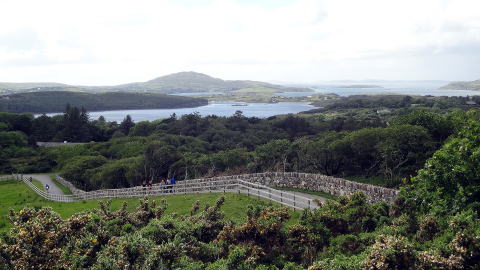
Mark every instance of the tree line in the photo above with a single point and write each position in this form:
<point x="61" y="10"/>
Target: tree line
<point x="55" y="101"/>
<point x="192" y="146"/>
<point x="433" y="224"/>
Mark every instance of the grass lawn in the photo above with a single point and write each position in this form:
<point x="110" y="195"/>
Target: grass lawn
<point x="16" y="195"/>
<point x="38" y="184"/>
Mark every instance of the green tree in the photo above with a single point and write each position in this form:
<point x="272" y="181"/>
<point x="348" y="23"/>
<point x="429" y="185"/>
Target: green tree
<point x="404" y="150"/>
<point x="44" y="128"/>
<point x="272" y="155"/>
<point x="76" y="170"/>
<point x="450" y="179"/>
<point x="365" y="156"/>
<point x="437" y="125"/>
<point x="158" y="159"/>
<point x="126" y="124"/>
<point x="327" y="154"/>
<point x="143" y="128"/>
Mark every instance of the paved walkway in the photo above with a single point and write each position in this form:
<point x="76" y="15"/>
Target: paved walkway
<point x="310" y="196"/>
<point x="45" y="179"/>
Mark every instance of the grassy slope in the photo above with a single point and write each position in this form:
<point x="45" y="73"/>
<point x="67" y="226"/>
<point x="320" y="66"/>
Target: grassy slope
<point x="38" y="184"/>
<point x="15" y="195"/>
<point x="63" y="188"/>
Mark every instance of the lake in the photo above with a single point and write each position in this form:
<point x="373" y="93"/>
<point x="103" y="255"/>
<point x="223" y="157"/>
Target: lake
<point x="261" y="110"/>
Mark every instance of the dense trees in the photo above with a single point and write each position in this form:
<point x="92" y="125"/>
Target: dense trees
<point x="195" y="146"/>
<point x="433" y="224"/>
<point x="55" y="101"/>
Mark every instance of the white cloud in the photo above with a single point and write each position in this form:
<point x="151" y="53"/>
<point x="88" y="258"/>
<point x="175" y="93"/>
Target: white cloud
<point x="109" y="42"/>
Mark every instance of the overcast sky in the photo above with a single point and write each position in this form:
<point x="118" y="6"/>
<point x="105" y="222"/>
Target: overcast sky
<point x="112" y="41"/>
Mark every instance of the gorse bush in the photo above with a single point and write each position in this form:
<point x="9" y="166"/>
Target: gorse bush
<point x="349" y="234"/>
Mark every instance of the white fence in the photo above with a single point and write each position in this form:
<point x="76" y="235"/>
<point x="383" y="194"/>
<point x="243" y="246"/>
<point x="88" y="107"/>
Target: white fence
<point x="47" y="195"/>
<point x="6" y="177"/>
<point x="182" y="187"/>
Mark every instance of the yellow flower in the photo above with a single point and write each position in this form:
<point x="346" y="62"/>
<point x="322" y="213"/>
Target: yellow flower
<point x="21" y="211"/>
<point x="94" y="241"/>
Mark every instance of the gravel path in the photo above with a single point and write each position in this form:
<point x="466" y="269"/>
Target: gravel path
<point x="45" y="179"/>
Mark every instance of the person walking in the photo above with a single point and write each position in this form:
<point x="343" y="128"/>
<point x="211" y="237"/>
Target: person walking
<point x="169" y="187"/>
<point x="173" y="182"/>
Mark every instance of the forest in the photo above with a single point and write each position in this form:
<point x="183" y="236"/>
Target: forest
<point x="54" y="101"/>
<point x="381" y="149"/>
<point x="433" y="224"/>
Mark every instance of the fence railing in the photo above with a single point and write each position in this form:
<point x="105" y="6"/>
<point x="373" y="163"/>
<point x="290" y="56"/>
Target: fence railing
<point x="6" y="177"/>
<point x="47" y="195"/>
<point x="182" y="187"/>
<point x="279" y="196"/>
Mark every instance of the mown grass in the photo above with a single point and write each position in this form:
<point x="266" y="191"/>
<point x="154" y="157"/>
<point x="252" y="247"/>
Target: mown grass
<point x="38" y="184"/>
<point x="16" y="195"/>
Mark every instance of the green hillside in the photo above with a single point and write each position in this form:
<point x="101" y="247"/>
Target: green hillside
<point x="198" y="82"/>
<point x="55" y="101"/>
<point x="472" y="85"/>
<point x="180" y="82"/>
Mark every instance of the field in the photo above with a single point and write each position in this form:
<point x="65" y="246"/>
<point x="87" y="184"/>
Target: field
<point x="15" y="195"/>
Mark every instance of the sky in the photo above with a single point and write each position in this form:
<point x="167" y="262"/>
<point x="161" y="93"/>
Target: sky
<point x="112" y="42"/>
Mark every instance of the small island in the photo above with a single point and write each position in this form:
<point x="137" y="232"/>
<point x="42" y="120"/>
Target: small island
<point x="463" y="85"/>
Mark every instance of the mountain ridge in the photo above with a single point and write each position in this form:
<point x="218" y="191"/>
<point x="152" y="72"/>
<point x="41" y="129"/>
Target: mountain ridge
<point x="190" y="81"/>
<point x="180" y="82"/>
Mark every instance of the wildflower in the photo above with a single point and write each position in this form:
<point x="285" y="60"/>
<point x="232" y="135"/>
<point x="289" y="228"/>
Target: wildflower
<point x="94" y="241"/>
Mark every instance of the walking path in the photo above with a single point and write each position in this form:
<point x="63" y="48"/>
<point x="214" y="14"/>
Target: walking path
<point x="45" y="179"/>
<point x="310" y="196"/>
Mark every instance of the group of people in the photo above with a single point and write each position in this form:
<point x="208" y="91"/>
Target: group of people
<point x="167" y="181"/>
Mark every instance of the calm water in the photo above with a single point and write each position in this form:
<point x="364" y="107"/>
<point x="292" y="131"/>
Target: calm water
<point x="261" y="110"/>
<point x="264" y="110"/>
<point x="198" y="94"/>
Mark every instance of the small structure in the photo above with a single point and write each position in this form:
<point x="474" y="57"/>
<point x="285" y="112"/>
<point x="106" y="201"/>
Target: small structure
<point x="384" y="111"/>
<point x="56" y="144"/>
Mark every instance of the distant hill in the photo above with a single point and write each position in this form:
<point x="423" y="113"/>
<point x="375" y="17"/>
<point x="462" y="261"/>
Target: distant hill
<point x="182" y="82"/>
<point x="29" y="85"/>
<point x="473" y="85"/>
<point x="55" y="101"/>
